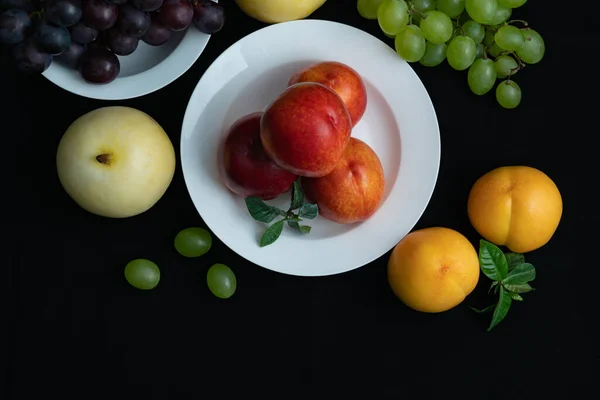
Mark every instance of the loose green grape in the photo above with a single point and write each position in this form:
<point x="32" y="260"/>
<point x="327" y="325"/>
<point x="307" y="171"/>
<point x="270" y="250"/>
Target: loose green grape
<point x="452" y="8"/>
<point x="436" y="27"/>
<point x="392" y="16"/>
<point x="435" y="54"/>
<point x="488" y="39"/>
<point x="502" y="15"/>
<point x="494" y="50"/>
<point x="508" y="94"/>
<point x="481" y="11"/>
<point x="461" y="52"/>
<point x="368" y="8"/>
<point x="481" y="76"/>
<point x="474" y="30"/>
<point x="509" y="38"/>
<point x="142" y="274"/>
<point x="505" y="66"/>
<point x="480" y="51"/>
<point x="533" y="48"/>
<point x="410" y="43"/>
<point x="193" y="242"/>
<point x="221" y="281"/>
<point x="512" y="3"/>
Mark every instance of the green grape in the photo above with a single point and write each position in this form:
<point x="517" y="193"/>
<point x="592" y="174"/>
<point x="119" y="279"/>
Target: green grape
<point x="464" y="17"/>
<point x="509" y="38"/>
<point x="481" y="76"/>
<point x="392" y="16"/>
<point x="416" y="19"/>
<point x="193" y="242"/>
<point x="502" y="15"/>
<point x="495" y="50"/>
<point x="488" y="39"/>
<point x="452" y="8"/>
<point x="221" y="281"/>
<point x="505" y="66"/>
<point x="410" y="43"/>
<point x="511" y="3"/>
<point x="481" y="11"/>
<point x="436" y="27"/>
<point x="368" y="8"/>
<point x="474" y="30"/>
<point x="480" y="51"/>
<point x="461" y="52"/>
<point x="142" y="274"/>
<point x="434" y="55"/>
<point x="533" y="48"/>
<point x="508" y="94"/>
<point x="423" y="5"/>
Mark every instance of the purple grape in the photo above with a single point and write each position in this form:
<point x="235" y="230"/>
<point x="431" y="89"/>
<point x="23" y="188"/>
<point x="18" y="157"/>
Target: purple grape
<point x="30" y="57"/>
<point x="72" y="56"/>
<point x="209" y="17"/>
<point x="81" y="33"/>
<point x="121" y="44"/>
<point x="99" y="66"/>
<point x="132" y="22"/>
<point x="14" y="26"/>
<point x="25" y="5"/>
<point x="176" y="14"/>
<point x="157" y="34"/>
<point x="53" y="39"/>
<point x="99" y="14"/>
<point x="63" y="12"/>
<point x="147" y="5"/>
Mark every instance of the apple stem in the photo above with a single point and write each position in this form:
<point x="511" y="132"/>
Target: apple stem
<point x="103" y="158"/>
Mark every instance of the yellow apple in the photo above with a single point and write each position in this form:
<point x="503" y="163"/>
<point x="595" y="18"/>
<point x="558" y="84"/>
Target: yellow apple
<point x="115" y="162"/>
<point x="274" y="11"/>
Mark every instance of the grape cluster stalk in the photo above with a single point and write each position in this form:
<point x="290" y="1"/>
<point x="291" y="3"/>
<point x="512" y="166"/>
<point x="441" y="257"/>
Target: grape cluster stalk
<point x="89" y="35"/>
<point x="473" y="35"/>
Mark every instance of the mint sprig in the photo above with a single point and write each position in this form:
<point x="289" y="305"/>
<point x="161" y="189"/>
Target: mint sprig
<point x="261" y="211"/>
<point x="510" y="275"/>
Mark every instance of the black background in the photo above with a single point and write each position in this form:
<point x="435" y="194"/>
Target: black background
<point x="76" y="328"/>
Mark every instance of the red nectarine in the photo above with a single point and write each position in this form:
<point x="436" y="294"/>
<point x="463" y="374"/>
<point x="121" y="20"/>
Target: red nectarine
<point x="354" y="190"/>
<point x="306" y="129"/>
<point x="342" y="79"/>
<point x="244" y="165"/>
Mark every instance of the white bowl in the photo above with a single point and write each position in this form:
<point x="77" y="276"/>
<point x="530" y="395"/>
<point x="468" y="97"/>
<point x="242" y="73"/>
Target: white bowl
<point x="399" y="124"/>
<point x="146" y="70"/>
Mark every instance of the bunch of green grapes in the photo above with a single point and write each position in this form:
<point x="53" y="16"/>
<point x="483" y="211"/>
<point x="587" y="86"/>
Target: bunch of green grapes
<point x="473" y="35"/>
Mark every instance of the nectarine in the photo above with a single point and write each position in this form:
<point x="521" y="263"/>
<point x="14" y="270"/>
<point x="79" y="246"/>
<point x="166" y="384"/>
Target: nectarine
<point x="244" y="165"/>
<point x="353" y="191"/>
<point x="306" y="129"/>
<point x="342" y="79"/>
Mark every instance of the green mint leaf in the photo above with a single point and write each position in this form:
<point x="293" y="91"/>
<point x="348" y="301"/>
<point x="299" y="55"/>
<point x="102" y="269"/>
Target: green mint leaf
<point x="495" y="283"/>
<point x="513" y="260"/>
<point x="515" y="296"/>
<point x="272" y="233"/>
<point x="297" y="197"/>
<point x="518" y="288"/>
<point x="492" y="261"/>
<point x="261" y="211"/>
<point x="301" y="228"/>
<point x="521" y="274"/>
<point x="484" y="310"/>
<point x="308" y="211"/>
<point x="504" y="303"/>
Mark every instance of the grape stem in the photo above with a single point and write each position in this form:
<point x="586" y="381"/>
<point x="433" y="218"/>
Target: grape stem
<point x="516" y="57"/>
<point x="519" y="21"/>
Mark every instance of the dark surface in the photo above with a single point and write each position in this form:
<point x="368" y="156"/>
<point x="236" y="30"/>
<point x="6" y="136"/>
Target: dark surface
<point x="75" y="328"/>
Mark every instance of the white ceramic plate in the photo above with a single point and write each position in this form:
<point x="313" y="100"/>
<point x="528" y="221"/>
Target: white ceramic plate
<point x="147" y="70"/>
<point x="400" y="124"/>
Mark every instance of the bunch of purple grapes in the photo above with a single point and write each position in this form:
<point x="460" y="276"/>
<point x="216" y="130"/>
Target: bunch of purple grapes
<point x="88" y="35"/>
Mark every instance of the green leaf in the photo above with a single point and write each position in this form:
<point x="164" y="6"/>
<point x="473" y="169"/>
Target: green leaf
<point x="504" y="303"/>
<point x="301" y="228"/>
<point x="518" y="288"/>
<point x="261" y="211"/>
<point x="297" y="197"/>
<point x="484" y="310"/>
<point x="308" y="211"/>
<point x="492" y="261"/>
<point x="513" y="260"/>
<point x="515" y="296"/>
<point x="521" y="274"/>
<point x="495" y="283"/>
<point x="271" y="234"/>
